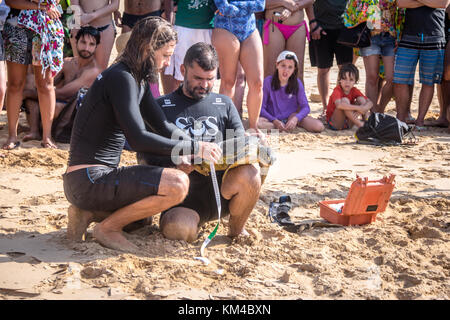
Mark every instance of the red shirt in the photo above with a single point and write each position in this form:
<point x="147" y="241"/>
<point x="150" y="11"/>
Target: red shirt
<point x="337" y="94"/>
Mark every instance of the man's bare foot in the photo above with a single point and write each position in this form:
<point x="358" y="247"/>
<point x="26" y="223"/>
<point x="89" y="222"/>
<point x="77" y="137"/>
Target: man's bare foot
<point x="440" y="123"/>
<point x="31" y="136"/>
<point x="113" y="239"/>
<point x="79" y="221"/>
<point x="243" y="233"/>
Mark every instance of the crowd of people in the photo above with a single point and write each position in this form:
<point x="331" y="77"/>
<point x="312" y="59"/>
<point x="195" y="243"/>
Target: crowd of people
<point x="187" y="44"/>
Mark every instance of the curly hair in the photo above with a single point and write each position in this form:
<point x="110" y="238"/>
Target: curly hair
<point x="147" y="36"/>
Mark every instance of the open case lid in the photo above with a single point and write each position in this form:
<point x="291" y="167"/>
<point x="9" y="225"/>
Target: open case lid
<point x="367" y="196"/>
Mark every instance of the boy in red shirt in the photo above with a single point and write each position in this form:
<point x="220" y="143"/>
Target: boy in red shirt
<point x="347" y="104"/>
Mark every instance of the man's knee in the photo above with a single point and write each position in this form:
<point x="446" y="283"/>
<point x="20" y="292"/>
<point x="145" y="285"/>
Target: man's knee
<point x="245" y="178"/>
<point x="180" y="186"/>
<point x="180" y="224"/>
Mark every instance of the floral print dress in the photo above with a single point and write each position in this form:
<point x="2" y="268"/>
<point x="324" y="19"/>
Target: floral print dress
<point x="380" y="15"/>
<point x="51" y="34"/>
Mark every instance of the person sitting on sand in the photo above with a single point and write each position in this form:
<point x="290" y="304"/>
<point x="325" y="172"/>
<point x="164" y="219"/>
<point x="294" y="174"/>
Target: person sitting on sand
<point x="284" y="105"/>
<point x="206" y="116"/>
<point x="113" y="110"/>
<point x="77" y="73"/>
<point x="347" y="105"/>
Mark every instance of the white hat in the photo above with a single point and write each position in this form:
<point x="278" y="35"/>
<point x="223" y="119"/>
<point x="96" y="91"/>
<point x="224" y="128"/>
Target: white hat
<point x="282" y="56"/>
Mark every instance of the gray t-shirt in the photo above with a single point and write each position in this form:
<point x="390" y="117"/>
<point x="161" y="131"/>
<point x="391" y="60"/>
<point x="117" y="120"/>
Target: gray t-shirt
<point x="329" y="13"/>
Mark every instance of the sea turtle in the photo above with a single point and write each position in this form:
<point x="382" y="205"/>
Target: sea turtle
<point x="239" y="151"/>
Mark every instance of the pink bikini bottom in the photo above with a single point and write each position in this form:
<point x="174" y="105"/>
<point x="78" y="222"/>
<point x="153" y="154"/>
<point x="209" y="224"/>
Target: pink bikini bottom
<point x="285" y="30"/>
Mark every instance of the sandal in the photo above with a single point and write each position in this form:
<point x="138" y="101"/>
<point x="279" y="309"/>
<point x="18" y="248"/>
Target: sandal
<point x="11" y="145"/>
<point x="49" y="145"/>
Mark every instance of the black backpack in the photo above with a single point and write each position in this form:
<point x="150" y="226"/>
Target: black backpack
<point x="383" y="129"/>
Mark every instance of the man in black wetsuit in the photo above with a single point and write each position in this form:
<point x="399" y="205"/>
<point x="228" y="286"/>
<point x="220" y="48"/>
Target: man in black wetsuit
<point x="209" y="117"/>
<point x="114" y="109"/>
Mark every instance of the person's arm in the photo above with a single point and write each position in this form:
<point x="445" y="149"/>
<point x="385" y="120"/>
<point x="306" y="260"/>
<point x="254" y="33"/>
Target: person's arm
<point x="234" y="121"/>
<point x="70" y="89"/>
<point x="169" y="11"/>
<point x="86" y="18"/>
<point x="411" y="4"/>
<point x="302" y="102"/>
<point x="314" y="27"/>
<point x="438" y="4"/>
<point x="363" y="108"/>
<point x="266" y="94"/>
<point x="22" y="4"/>
<point x="152" y="116"/>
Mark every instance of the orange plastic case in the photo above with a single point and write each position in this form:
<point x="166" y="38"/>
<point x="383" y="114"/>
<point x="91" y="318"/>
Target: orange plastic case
<point x="364" y="200"/>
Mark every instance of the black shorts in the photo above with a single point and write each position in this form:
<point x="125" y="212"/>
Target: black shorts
<point x="109" y="189"/>
<point x="131" y="19"/>
<point x="201" y="197"/>
<point x="322" y="51"/>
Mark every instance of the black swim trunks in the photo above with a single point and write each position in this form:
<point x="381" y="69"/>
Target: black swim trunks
<point x="109" y="189"/>
<point x="201" y="197"/>
<point x="130" y="20"/>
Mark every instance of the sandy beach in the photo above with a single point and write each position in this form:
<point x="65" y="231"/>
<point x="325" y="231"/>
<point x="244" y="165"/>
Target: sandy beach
<point x="404" y="254"/>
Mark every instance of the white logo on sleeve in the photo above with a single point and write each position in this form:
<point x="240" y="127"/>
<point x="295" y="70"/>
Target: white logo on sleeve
<point x="219" y="101"/>
<point x="168" y="103"/>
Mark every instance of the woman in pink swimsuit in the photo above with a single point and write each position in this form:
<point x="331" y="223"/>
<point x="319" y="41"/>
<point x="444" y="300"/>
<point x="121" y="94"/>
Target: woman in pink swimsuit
<point x="285" y="29"/>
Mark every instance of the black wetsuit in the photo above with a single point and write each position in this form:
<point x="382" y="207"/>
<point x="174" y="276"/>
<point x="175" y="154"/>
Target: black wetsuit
<point x="207" y="119"/>
<point x="114" y="109"/>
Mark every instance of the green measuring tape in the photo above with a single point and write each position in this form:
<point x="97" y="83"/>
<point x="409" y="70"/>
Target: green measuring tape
<point x="219" y="209"/>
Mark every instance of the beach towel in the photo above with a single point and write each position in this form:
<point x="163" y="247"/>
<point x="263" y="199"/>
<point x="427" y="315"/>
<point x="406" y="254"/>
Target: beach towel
<point x="51" y="33"/>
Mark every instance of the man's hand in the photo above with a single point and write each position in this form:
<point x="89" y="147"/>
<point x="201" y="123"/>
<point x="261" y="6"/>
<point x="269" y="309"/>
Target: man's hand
<point x="209" y="151"/>
<point x="318" y="32"/>
<point x="185" y="164"/>
<point x="118" y="18"/>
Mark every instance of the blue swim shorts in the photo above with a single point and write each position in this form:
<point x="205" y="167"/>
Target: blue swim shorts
<point x="431" y="65"/>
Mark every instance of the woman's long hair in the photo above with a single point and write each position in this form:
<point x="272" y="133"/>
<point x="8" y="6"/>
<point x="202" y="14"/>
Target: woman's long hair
<point x="292" y="85"/>
<point x="147" y="36"/>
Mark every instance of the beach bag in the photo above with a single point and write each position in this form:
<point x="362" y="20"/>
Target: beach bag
<point x="356" y="37"/>
<point x="383" y="129"/>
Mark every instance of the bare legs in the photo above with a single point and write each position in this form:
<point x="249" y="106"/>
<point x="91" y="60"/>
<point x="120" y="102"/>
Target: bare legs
<point x="372" y="66"/>
<point x="403" y="100"/>
<point x="16" y="82"/>
<point x="308" y="123"/>
<point x="47" y="101"/>
<point x="2" y="83"/>
<point x="249" y="54"/>
<point x="241" y="186"/>
<point x="173" y="188"/>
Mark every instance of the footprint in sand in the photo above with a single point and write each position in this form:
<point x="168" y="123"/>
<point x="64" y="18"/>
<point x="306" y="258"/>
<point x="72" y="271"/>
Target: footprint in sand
<point x="16" y="191"/>
<point x="327" y="159"/>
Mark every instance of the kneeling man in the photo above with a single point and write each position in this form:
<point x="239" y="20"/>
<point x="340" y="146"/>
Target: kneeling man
<point x="205" y="116"/>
